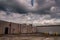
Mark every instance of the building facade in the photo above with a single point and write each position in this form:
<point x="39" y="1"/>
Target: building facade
<point x="14" y="28"/>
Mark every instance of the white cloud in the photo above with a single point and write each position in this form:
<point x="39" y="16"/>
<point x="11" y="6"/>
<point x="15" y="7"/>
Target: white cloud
<point x="34" y="19"/>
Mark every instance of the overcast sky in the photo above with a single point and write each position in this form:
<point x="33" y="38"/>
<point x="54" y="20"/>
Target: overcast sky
<point x="43" y="12"/>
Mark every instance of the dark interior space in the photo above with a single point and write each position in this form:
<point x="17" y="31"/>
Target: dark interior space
<point x="6" y="30"/>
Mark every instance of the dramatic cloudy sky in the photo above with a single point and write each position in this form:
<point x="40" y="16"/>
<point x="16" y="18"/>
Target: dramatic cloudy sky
<point x="43" y="12"/>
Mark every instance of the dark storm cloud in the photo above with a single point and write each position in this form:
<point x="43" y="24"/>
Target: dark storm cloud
<point x="40" y="2"/>
<point x="44" y="6"/>
<point x="9" y="6"/>
<point x="57" y="2"/>
<point x="12" y="6"/>
<point x="44" y="11"/>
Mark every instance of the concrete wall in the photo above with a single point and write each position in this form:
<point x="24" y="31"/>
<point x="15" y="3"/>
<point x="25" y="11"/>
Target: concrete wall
<point x="14" y="28"/>
<point x="24" y="28"/>
<point x="3" y="25"/>
<point x="29" y="28"/>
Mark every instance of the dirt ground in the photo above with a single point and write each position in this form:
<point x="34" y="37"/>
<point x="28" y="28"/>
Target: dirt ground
<point x="27" y="38"/>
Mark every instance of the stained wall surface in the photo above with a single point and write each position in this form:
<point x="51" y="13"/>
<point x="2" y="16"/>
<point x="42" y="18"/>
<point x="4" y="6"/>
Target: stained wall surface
<point x="4" y="25"/>
<point x="14" y="28"/>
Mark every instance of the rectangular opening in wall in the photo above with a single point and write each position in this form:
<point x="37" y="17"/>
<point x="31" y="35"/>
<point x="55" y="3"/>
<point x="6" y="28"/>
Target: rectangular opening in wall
<point x="6" y="30"/>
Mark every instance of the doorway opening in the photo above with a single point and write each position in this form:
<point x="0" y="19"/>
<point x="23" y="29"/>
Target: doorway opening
<point x="6" y="30"/>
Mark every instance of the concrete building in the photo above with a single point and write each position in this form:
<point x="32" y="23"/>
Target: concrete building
<point x="10" y="29"/>
<point x="14" y="28"/>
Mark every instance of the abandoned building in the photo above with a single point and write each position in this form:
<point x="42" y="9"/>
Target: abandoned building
<point x="15" y="28"/>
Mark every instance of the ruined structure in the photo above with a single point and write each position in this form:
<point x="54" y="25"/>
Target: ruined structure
<point x="14" y="28"/>
<point x="29" y="32"/>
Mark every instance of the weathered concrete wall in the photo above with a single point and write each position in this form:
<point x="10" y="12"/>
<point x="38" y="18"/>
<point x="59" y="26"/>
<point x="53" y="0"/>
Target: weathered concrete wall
<point x="3" y="25"/>
<point x="14" y="28"/>
<point x="34" y="30"/>
<point x="23" y="28"/>
<point x="31" y="29"/>
<point x="19" y="26"/>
